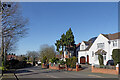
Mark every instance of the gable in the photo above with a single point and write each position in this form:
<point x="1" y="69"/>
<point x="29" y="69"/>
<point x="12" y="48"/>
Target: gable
<point x="99" y="39"/>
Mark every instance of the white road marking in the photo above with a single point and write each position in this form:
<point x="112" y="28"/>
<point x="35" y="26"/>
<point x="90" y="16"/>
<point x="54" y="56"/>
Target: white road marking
<point x="52" y="76"/>
<point x="96" y="76"/>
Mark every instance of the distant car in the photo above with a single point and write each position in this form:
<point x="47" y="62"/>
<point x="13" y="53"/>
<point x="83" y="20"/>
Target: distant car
<point x="110" y="62"/>
<point x="39" y="63"/>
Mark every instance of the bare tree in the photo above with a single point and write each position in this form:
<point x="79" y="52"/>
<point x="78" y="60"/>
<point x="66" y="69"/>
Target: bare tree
<point x="48" y="51"/>
<point x="13" y="26"/>
<point x="32" y="54"/>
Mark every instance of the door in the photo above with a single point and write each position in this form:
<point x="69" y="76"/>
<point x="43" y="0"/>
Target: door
<point x="88" y="59"/>
<point x="82" y="60"/>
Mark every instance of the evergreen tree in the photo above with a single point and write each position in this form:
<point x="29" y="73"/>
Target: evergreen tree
<point x="65" y="42"/>
<point x="69" y="39"/>
<point x="58" y="45"/>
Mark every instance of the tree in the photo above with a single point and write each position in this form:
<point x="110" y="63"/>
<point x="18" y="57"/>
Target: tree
<point x="69" y="39"/>
<point x="58" y="44"/>
<point x="13" y="26"/>
<point x="66" y="42"/>
<point x="61" y="43"/>
<point x="47" y="51"/>
<point x="116" y="56"/>
<point x="32" y="54"/>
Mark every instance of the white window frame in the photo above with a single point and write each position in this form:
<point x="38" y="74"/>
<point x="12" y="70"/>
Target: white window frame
<point x="114" y="43"/>
<point x="100" y="45"/>
<point x="82" y="47"/>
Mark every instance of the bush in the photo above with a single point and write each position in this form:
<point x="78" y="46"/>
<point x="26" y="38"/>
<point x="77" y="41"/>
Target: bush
<point x="62" y="62"/>
<point x="15" y="64"/>
<point x="100" y="58"/>
<point x="54" y="60"/>
<point x="105" y="67"/>
<point x="116" y="56"/>
<point x="71" y="62"/>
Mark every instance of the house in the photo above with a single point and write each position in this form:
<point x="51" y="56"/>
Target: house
<point x="77" y="49"/>
<point x="11" y="56"/>
<point x="69" y="54"/>
<point x="59" y="56"/>
<point x="73" y="51"/>
<point x="83" y="54"/>
<point x="103" y="44"/>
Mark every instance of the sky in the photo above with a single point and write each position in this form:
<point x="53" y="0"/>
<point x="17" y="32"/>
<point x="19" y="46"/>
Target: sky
<point x="49" y="20"/>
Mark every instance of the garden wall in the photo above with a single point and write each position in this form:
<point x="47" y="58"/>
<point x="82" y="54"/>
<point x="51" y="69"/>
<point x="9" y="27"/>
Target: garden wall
<point x="55" y="66"/>
<point x="73" y="69"/>
<point x="106" y="71"/>
<point x="44" y="66"/>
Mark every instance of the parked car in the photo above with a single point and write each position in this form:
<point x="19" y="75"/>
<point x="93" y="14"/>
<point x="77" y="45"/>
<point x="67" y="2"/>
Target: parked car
<point x="39" y="62"/>
<point x="110" y="62"/>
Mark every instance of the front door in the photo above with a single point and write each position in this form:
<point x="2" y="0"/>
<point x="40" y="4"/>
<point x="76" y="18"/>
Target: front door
<point x="82" y="60"/>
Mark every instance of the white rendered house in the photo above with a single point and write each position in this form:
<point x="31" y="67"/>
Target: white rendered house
<point x="83" y="54"/>
<point x="104" y="43"/>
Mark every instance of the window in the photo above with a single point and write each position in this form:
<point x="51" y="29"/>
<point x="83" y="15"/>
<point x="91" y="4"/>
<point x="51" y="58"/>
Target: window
<point x="92" y="53"/>
<point x="82" y="47"/>
<point x="114" y="43"/>
<point x="100" y="45"/>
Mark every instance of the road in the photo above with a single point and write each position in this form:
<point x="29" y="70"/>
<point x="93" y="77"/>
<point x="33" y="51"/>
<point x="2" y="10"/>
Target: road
<point x="38" y="72"/>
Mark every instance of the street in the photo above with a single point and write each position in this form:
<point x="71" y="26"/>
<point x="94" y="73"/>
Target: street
<point x="38" y="72"/>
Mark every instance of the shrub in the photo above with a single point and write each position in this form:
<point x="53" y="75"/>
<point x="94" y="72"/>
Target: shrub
<point x="71" y="62"/>
<point x="54" y="60"/>
<point x="15" y="64"/>
<point x="62" y="62"/>
<point x="44" y="60"/>
<point x="116" y="56"/>
<point x="100" y="58"/>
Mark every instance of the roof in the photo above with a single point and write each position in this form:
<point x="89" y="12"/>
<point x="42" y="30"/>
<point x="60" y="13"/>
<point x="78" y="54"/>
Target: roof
<point x="101" y="51"/>
<point x="77" y="45"/>
<point x="59" y="56"/>
<point x="112" y="36"/>
<point x="10" y="56"/>
<point x="86" y="43"/>
<point x="89" y="43"/>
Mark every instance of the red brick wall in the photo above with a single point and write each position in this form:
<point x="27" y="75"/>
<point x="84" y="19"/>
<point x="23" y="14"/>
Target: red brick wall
<point x="106" y="71"/>
<point x="59" y="68"/>
<point x="54" y="67"/>
<point x="44" y="66"/>
<point x="71" y="69"/>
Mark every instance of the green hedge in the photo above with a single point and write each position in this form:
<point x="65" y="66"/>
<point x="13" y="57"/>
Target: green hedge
<point x="71" y="62"/>
<point x="116" y="56"/>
